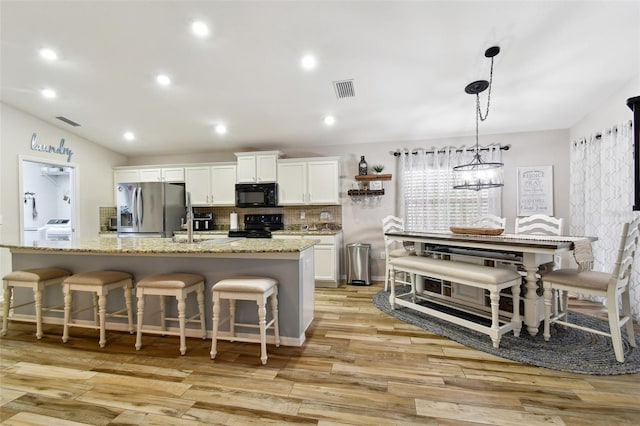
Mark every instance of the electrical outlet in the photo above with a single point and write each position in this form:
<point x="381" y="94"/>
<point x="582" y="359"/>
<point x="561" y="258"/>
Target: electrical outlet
<point x="382" y="255"/>
<point x="325" y="216"/>
<point x="303" y="215"/>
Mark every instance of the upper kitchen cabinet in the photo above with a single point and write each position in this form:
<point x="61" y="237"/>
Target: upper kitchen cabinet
<point x="211" y="185"/>
<point x="126" y="175"/>
<point x="256" y="167"/>
<point x="309" y="181"/>
<point x="150" y="174"/>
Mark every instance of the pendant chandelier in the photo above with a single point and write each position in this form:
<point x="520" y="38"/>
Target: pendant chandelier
<point x="479" y="174"/>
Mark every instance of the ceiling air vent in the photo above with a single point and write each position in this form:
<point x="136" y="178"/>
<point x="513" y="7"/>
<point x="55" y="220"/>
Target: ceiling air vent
<point x="66" y="120"/>
<point x="344" y="89"/>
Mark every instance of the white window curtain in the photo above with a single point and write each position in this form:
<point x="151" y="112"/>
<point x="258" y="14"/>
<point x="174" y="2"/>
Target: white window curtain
<point x="427" y="198"/>
<point x="601" y="196"/>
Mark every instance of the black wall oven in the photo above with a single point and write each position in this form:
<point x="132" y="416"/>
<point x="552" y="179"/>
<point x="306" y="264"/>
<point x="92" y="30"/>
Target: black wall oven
<point x="256" y="194"/>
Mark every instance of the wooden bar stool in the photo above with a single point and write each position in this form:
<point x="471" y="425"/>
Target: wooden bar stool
<point x="99" y="283"/>
<point x="178" y="285"/>
<point x="36" y="279"/>
<point x="258" y="289"/>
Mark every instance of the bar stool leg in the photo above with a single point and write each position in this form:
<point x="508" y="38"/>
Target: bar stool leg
<point x="232" y="318"/>
<point x="37" y="297"/>
<point x="96" y="314"/>
<point x="102" y="311"/>
<point x="274" y="312"/>
<point x="215" y="318"/>
<point x="127" y="301"/>
<point x="262" y="321"/>
<point x="163" y="321"/>
<point x="67" y="313"/>
<point x="181" y="320"/>
<point x="200" y="297"/>
<point x="140" y="296"/>
<point x="5" y="306"/>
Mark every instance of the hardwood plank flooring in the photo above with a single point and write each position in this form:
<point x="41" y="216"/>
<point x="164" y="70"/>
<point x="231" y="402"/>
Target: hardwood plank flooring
<point x="358" y="366"/>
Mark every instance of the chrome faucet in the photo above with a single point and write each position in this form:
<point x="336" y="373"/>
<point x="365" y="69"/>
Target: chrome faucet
<point x="189" y="219"/>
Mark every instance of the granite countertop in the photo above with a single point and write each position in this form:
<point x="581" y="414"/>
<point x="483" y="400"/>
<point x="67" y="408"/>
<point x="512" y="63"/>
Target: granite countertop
<point x="207" y="234"/>
<point x="309" y="232"/>
<point x="169" y="246"/>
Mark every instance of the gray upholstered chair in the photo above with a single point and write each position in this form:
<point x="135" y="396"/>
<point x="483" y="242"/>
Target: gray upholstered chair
<point x="611" y="286"/>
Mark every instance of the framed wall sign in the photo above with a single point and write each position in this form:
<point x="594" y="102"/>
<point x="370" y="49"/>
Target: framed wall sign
<point x="535" y="190"/>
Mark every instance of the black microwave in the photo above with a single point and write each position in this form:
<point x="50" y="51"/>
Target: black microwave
<point x="256" y="194"/>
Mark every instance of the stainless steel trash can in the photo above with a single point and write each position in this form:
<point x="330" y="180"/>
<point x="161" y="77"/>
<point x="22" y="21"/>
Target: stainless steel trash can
<point x="358" y="265"/>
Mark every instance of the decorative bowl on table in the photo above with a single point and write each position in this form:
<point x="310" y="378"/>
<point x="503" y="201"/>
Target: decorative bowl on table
<point x="476" y="231"/>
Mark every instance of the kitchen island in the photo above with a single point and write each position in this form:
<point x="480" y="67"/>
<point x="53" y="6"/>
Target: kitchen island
<point x="288" y="261"/>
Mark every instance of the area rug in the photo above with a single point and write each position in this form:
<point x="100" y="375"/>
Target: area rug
<point x="568" y="349"/>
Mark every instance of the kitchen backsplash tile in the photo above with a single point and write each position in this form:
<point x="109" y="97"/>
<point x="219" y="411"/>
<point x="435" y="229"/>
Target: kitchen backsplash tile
<point x="105" y="214"/>
<point x="316" y="217"/>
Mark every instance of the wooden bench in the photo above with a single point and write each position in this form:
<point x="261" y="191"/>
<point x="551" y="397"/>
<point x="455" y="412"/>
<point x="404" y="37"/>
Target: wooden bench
<point x="488" y="278"/>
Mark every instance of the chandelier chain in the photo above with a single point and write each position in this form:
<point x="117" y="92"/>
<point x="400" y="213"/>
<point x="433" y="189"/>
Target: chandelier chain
<point x="486" y="114"/>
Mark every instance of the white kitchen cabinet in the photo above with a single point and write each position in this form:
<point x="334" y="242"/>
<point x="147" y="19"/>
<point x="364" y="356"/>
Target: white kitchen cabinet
<point x="172" y="174"/>
<point x="148" y="174"/>
<point x="212" y="185"/>
<point x="292" y="182"/>
<point x="323" y="182"/>
<point x="126" y="176"/>
<point x="197" y="181"/>
<point x="326" y="257"/>
<point x="256" y="167"/>
<point x="223" y="185"/>
<point x="309" y="181"/>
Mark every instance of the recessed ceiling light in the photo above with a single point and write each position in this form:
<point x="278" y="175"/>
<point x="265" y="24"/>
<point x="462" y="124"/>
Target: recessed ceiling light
<point x="221" y="129"/>
<point x="48" y="54"/>
<point x="163" y="80"/>
<point x="129" y="136"/>
<point x="48" y="93"/>
<point x="200" y="29"/>
<point x="329" y="120"/>
<point x="308" y="62"/>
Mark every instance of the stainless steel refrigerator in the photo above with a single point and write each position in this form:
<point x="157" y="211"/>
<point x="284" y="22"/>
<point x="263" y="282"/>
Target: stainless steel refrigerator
<point x="149" y="209"/>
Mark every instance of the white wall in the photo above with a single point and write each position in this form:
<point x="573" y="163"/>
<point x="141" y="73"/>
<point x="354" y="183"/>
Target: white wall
<point x="608" y="112"/>
<point x="92" y="164"/>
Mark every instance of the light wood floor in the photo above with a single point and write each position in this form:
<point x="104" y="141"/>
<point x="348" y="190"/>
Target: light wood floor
<point x="358" y="366"/>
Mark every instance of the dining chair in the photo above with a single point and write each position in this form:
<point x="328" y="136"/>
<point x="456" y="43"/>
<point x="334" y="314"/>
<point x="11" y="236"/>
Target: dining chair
<point x="395" y="224"/>
<point x="611" y="286"/>
<point x="490" y="221"/>
<point x="539" y="224"/>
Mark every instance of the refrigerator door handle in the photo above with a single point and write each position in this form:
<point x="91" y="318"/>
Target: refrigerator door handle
<point x="134" y="206"/>
<point x="140" y="206"/>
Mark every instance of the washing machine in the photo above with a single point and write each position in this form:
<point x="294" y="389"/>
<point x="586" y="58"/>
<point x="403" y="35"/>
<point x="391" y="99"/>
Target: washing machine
<point x="56" y="230"/>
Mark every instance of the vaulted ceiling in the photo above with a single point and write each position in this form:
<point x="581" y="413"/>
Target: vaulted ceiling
<point x="409" y="63"/>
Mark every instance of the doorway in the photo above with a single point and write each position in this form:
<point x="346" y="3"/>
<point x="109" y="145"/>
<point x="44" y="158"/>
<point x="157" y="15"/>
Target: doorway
<point x="48" y="201"/>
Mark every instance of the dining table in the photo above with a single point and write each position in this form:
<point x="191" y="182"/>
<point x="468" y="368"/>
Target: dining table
<point x="525" y="250"/>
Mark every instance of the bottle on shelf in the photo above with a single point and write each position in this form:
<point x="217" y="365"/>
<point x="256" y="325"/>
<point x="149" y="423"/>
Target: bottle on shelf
<point x="362" y="166"/>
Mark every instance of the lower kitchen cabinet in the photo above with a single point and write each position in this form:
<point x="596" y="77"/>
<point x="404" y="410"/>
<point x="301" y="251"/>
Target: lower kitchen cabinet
<point x="326" y="257"/>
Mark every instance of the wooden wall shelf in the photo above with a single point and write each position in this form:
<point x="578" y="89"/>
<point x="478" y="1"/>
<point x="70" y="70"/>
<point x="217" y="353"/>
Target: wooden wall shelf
<point x="353" y="192"/>
<point x="373" y="177"/>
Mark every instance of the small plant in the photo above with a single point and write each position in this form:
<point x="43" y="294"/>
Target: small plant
<point x="378" y="168"/>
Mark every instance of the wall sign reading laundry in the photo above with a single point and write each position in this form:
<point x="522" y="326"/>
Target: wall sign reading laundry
<point x="60" y="149"/>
